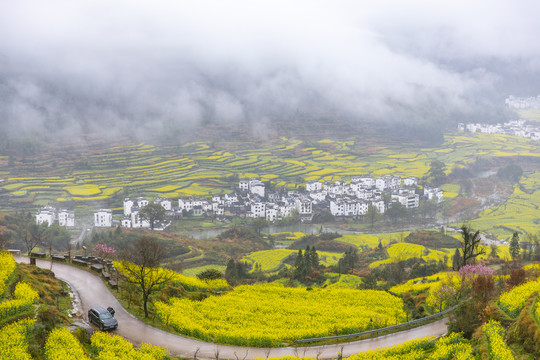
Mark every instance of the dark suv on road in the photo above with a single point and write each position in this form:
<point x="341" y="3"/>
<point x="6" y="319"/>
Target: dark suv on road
<point x="102" y="318"/>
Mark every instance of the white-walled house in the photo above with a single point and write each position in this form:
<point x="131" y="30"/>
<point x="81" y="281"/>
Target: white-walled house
<point x="165" y="203"/>
<point x="272" y="213"/>
<point x="258" y="210"/>
<point x="285" y="210"/>
<point x="410" y="181"/>
<point x="363" y="180"/>
<point x="313" y="186"/>
<point x="382" y="184"/>
<point x="66" y="218"/>
<point x="243" y="185"/>
<point x="433" y="193"/>
<point x="47" y="215"/>
<point x="185" y="204"/>
<point x="219" y="210"/>
<point x="137" y="221"/>
<point x="126" y="222"/>
<point x="103" y="218"/>
<point x="141" y="202"/>
<point x="318" y="195"/>
<point x="409" y="201"/>
<point x="379" y="205"/>
<point x="256" y="187"/>
<point x="230" y="197"/>
<point x="305" y="207"/>
<point x="128" y="204"/>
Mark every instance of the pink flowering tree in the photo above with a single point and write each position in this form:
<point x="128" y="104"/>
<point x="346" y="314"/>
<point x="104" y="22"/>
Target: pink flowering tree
<point x="103" y="251"/>
<point x="475" y="270"/>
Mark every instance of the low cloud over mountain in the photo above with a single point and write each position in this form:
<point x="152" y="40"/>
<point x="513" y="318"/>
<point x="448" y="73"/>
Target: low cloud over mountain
<point x="153" y="67"/>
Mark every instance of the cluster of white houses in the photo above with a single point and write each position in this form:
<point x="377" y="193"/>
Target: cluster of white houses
<point x="342" y="199"/>
<point x="522" y="103"/>
<point x="51" y="215"/>
<point x="515" y="128"/>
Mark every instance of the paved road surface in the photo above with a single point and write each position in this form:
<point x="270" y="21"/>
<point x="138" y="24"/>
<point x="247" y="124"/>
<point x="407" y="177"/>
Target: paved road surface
<point x="92" y="292"/>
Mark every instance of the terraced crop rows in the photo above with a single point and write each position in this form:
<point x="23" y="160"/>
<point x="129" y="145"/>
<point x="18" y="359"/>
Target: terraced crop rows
<point x="197" y="169"/>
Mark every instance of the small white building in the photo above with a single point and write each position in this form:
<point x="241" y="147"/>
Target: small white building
<point x="313" y="186"/>
<point x="137" y="221"/>
<point x="258" y="210"/>
<point x="305" y="207"/>
<point x="318" y="195"/>
<point x="165" y="203"/>
<point x="128" y="204"/>
<point x="433" y="193"/>
<point x="126" y="222"/>
<point x="363" y="180"/>
<point x="185" y="204"/>
<point x="256" y="187"/>
<point x="285" y="210"/>
<point x="410" y="181"/>
<point x="103" y="218"/>
<point x="379" y="205"/>
<point x="230" y="198"/>
<point x="271" y="213"/>
<point x="243" y="185"/>
<point x="66" y="218"/>
<point x="47" y="215"/>
<point x="409" y="201"/>
<point x="219" y="210"/>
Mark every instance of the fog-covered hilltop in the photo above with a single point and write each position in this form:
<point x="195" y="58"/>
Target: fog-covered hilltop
<point x="172" y="70"/>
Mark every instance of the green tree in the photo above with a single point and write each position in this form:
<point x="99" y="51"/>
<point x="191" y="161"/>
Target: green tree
<point x="510" y="172"/>
<point x="210" y="274"/>
<point x="348" y="261"/>
<point x="234" y="271"/>
<point x="396" y="211"/>
<point x="436" y="174"/>
<point x="58" y="237"/>
<point x="514" y="246"/>
<point x="372" y="215"/>
<point x="258" y="224"/>
<point x="494" y="253"/>
<point x="141" y="267"/>
<point x="470" y="245"/>
<point x="299" y="269"/>
<point x="153" y="213"/>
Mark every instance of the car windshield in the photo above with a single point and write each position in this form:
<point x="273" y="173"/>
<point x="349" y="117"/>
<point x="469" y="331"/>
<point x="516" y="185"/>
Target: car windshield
<point x="105" y="316"/>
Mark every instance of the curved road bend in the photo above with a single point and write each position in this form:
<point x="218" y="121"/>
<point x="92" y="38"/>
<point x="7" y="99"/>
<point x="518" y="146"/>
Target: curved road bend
<point x="92" y="292"/>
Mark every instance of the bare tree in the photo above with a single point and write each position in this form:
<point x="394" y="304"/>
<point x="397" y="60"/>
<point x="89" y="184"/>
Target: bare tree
<point x="141" y="267"/>
<point x="38" y="235"/>
<point x="470" y="245"/>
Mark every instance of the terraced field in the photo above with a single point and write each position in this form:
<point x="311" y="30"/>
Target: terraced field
<point x="519" y="213"/>
<point x="274" y="260"/>
<point x="106" y="176"/>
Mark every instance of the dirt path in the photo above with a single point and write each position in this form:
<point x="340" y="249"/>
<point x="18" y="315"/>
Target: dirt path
<point x="92" y="292"/>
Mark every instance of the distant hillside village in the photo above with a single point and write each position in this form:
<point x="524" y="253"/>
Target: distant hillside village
<point x="514" y="128"/>
<point x="519" y="128"/>
<point x="340" y="198"/>
<point x="522" y="103"/>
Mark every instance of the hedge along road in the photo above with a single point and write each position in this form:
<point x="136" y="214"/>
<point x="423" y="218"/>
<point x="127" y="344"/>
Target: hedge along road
<point x="92" y="291"/>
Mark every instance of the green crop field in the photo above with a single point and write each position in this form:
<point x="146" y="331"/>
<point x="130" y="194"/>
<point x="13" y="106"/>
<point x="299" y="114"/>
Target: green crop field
<point x="200" y="169"/>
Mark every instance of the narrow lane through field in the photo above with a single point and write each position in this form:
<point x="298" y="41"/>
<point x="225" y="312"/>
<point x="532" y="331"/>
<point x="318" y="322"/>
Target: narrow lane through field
<point x="93" y="292"/>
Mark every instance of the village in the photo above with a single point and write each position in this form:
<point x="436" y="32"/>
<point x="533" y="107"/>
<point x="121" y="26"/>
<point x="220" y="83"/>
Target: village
<point x="252" y="200"/>
<point x="517" y="128"/>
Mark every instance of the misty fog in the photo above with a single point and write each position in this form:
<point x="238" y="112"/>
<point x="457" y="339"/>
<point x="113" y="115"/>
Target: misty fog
<point x="152" y="67"/>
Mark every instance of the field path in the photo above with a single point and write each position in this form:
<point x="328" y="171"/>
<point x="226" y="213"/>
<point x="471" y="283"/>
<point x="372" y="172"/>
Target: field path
<point x="92" y="292"/>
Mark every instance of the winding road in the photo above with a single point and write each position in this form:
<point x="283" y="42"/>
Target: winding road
<point x="92" y="291"/>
